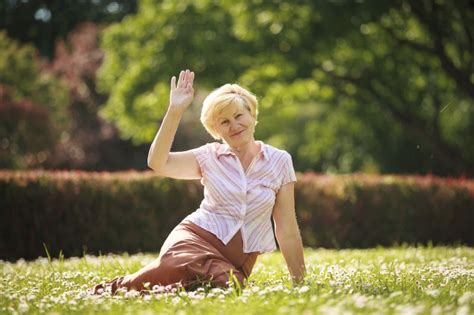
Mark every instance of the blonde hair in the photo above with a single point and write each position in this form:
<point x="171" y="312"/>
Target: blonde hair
<point x="222" y="97"/>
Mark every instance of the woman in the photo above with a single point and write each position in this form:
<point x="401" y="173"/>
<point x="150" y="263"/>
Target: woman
<point x="246" y="182"/>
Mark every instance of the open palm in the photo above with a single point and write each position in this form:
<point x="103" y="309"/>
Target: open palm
<point x="182" y="93"/>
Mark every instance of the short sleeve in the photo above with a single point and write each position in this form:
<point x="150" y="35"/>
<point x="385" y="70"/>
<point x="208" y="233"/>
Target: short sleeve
<point x="201" y="154"/>
<point x="287" y="170"/>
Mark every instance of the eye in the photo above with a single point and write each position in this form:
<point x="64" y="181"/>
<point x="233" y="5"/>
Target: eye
<point x="238" y="115"/>
<point x="224" y="122"/>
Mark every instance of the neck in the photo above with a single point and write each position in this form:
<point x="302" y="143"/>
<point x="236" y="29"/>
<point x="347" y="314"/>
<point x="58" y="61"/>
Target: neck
<point x="247" y="149"/>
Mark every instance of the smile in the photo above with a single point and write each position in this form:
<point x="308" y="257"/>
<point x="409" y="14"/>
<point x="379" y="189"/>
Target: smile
<point x="237" y="133"/>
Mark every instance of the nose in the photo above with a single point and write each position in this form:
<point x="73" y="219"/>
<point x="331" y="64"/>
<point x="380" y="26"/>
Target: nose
<point x="234" y="125"/>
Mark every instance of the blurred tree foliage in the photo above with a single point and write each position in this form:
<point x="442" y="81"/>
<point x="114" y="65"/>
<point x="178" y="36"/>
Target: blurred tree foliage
<point x="57" y="30"/>
<point x="32" y="107"/>
<point x="42" y="23"/>
<point x="90" y="142"/>
<point x="377" y="86"/>
<point x="26" y="132"/>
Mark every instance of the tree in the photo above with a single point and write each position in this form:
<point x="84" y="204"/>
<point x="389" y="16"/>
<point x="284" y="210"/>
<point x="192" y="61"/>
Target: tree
<point x="32" y="107"/>
<point x="413" y="65"/>
<point x="42" y="23"/>
<point x="89" y="142"/>
<point x="344" y="86"/>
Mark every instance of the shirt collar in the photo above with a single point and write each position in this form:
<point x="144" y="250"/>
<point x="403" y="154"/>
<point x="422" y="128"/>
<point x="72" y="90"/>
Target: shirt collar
<point x="224" y="149"/>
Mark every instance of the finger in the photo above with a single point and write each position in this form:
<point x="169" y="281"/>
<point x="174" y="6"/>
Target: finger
<point x="173" y="82"/>
<point x="185" y="79"/>
<point x="180" y="79"/>
<point x="190" y="80"/>
<point x="188" y="76"/>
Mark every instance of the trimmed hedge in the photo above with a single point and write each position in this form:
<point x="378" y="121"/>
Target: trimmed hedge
<point x="366" y="211"/>
<point x="79" y="212"/>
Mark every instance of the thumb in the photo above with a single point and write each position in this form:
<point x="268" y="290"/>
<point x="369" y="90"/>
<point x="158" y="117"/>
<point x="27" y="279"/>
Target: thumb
<point x="173" y="83"/>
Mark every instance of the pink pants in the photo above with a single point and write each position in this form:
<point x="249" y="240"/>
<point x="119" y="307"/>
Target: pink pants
<point x="189" y="256"/>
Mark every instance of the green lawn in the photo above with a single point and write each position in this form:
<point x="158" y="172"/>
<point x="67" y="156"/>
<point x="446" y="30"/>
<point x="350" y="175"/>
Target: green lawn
<point x="438" y="280"/>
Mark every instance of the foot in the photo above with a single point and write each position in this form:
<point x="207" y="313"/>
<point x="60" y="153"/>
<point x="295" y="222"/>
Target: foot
<point x="113" y="284"/>
<point x="98" y="289"/>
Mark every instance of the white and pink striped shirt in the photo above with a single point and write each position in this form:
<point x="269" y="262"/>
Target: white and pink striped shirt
<point x="236" y="200"/>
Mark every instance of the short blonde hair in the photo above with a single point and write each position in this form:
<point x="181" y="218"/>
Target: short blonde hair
<point x="222" y="97"/>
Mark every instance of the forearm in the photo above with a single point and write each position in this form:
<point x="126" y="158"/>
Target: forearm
<point x="291" y="247"/>
<point x="161" y="145"/>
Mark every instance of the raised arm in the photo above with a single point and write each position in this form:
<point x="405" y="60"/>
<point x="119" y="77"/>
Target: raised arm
<point x="181" y="165"/>
<point x="288" y="233"/>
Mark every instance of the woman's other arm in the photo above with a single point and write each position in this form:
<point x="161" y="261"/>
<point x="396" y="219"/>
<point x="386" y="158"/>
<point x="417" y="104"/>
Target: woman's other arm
<point x="180" y="165"/>
<point x="287" y="231"/>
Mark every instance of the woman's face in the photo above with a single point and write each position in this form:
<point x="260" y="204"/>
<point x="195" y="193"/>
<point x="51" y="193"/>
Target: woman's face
<point x="235" y="124"/>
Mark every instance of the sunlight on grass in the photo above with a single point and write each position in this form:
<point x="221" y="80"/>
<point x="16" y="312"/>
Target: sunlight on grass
<point x="437" y="280"/>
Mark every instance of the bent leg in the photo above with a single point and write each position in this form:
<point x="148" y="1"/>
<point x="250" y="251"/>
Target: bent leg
<point x="165" y="270"/>
<point x="186" y="263"/>
<point x="185" y="258"/>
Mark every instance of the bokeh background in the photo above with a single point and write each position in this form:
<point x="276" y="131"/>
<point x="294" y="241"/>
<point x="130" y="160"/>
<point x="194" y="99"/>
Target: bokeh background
<point x="344" y="86"/>
<point x="373" y="99"/>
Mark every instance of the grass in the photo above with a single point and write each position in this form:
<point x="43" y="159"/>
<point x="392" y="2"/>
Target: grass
<point x="407" y="280"/>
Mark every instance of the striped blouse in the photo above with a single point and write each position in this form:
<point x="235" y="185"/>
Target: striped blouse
<point x="236" y="200"/>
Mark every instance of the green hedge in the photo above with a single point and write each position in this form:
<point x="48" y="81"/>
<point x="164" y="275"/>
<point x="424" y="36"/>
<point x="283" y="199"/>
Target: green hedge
<point x="365" y="211"/>
<point x="92" y="212"/>
<point x="79" y="212"/>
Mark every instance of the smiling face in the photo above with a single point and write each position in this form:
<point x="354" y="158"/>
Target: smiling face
<point x="219" y="99"/>
<point x="235" y="124"/>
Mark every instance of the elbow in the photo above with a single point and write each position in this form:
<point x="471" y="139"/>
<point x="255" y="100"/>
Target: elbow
<point x="157" y="169"/>
<point x="149" y="161"/>
<point x="152" y="166"/>
<point x="156" y="164"/>
<point x="159" y="165"/>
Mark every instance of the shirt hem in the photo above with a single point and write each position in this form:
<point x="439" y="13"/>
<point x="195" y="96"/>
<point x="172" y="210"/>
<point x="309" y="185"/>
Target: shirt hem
<point x="246" y="251"/>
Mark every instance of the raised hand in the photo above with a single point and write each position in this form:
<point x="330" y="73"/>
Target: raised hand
<point x="182" y="93"/>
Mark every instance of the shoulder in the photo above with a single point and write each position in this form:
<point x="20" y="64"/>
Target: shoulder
<point x="282" y="163"/>
<point x="208" y="147"/>
<point x="203" y="152"/>
<point x="275" y="153"/>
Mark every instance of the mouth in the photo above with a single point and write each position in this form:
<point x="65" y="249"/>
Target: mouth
<point x="237" y="133"/>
